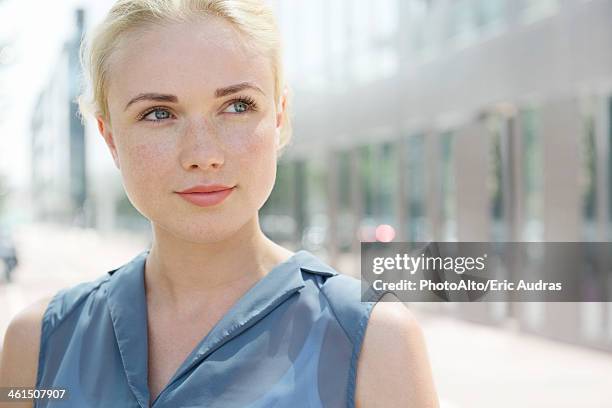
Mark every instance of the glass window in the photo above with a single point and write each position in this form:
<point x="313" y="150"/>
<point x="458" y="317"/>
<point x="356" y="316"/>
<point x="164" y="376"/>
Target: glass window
<point x="448" y="187"/>
<point x="588" y="176"/>
<point x="312" y="43"/>
<point x="534" y="10"/>
<point x="379" y="178"/>
<point x="418" y="8"/>
<point x="425" y="28"/>
<point x="386" y="19"/>
<point x="373" y="27"/>
<point x="461" y="22"/>
<point x="496" y="131"/>
<point x="361" y="34"/>
<point x="491" y="11"/>
<point x="532" y="174"/>
<point x="416" y="228"/>
<point x="346" y="207"/>
<point x="314" y="236"/>
<point x="379" y="175"/>
<point x="490" y="15"/>
<point x="369" y="188"/>
<point x="338" y="41"/>
<point x="287" y="18"/>
<point x="388" y="179"/>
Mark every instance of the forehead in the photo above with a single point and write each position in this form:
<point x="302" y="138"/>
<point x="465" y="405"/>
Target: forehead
<point x="199" y="56"/>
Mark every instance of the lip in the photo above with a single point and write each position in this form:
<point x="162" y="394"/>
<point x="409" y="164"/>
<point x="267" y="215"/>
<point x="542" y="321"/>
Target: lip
<point x="205" y="188"/>
<point x="206" y="195"/>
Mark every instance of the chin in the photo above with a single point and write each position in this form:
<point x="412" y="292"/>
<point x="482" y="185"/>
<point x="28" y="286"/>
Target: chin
<point x="204" y="230"/>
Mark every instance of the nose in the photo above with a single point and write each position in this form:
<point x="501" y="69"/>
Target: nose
<point x="200" y="147"/>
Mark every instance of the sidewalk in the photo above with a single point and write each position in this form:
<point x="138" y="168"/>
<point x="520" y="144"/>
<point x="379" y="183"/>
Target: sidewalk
<point x="479" y="366"/>
<point x="53" y="257"/>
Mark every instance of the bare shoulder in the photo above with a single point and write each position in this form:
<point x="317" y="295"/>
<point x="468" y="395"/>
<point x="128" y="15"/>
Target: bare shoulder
<point x="393" y="368"/>
<point x="19" y="355"/>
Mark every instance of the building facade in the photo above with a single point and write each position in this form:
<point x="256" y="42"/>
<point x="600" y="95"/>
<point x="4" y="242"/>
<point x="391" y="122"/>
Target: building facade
<point x="59" y="174"/>
<point x="469" y="120"/>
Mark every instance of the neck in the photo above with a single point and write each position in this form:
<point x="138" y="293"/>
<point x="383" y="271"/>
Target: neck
<point x="183" y="272"/>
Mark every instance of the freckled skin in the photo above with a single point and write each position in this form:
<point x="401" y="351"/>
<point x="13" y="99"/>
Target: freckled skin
<point x="205" y="141"/>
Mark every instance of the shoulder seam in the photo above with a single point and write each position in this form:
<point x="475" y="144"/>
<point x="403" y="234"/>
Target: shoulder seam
<point x="44" y="335"/>
<point x="352" y="387"/>
<point x="331" y="307"/>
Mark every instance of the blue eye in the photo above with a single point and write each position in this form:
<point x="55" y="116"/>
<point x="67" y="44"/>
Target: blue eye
<point x="240" y="107"/>
<point x="156" y="115"/>
<point x="243" y="104"/>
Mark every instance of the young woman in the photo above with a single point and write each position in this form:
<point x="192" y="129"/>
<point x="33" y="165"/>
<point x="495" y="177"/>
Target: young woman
<point x="190" y="99"/>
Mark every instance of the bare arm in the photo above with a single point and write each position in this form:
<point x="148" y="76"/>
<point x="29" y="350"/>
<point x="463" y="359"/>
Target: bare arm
<point x="393" y="369"/>
<point x="19" y="358"/>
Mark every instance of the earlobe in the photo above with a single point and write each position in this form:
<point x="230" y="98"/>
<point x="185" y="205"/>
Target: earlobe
<point x="107" y="134"/>
<point x="280" y="116"/>
<point x="280" y="111"/>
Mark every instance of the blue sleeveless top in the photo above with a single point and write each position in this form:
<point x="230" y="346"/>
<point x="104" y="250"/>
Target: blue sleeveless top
<point x="292" y="340"/>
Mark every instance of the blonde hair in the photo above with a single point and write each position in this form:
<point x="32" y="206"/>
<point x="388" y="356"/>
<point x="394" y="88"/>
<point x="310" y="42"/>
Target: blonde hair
<point x="252" y="18"/>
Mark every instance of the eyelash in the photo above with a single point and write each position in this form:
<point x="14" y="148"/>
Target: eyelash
<point x="247" y="100"/>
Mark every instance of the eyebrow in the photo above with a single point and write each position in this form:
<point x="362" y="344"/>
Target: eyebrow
<point x="237" y="88"/>
<point x="151" y="96"/>
<point x="219" y="93"/>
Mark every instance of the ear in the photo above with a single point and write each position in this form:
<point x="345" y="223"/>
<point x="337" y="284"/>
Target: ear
<point x="280" y="114"/>
<point x="107" y="133"/>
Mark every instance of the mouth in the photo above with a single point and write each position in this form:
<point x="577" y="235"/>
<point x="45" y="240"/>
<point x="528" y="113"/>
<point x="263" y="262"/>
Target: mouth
<point x="206" y="188"/>
<point x="206" y="196"/>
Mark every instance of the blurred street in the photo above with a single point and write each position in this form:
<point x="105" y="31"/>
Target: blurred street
<point x="473" y="365"/>
<point x="479" y="366"/>
<point x="52" y="257"/>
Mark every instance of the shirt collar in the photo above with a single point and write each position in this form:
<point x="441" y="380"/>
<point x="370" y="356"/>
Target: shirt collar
<point x="127" y="305"/>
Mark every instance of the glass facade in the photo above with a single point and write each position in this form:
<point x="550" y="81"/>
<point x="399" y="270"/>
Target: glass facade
<point x="338" y="43"/>
<point x="373" y="51"/>
<point x="588" y="177"/>
<point x="315" y="232"/>
<point x="448" y="197"/>
<point x="532" y="174"/>
<point x="471" y="19"/>
<point x="416" y="219"/>
<point x="379" y="177"/>
<point x="495" y="128"/>
<point x="345" y="206"/>
<point x="359" y="44"/>
<point x="534" y="10"/>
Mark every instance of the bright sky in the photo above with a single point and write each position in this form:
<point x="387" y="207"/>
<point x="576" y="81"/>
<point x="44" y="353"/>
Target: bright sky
<point x="37" y="30"/>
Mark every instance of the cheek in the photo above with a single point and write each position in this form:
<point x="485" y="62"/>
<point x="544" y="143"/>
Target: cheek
<point x="258" y="162"/>
<point x="142" y="161"/>
<point x="142" y="168"/>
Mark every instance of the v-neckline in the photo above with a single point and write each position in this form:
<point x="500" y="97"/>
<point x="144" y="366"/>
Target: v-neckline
<point x="128" y="309"/>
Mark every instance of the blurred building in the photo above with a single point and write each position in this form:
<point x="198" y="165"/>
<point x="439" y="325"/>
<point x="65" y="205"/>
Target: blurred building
<point x="59" y="176"/>
<point x="471" y="120"/>
<point x="74" y="180"/>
